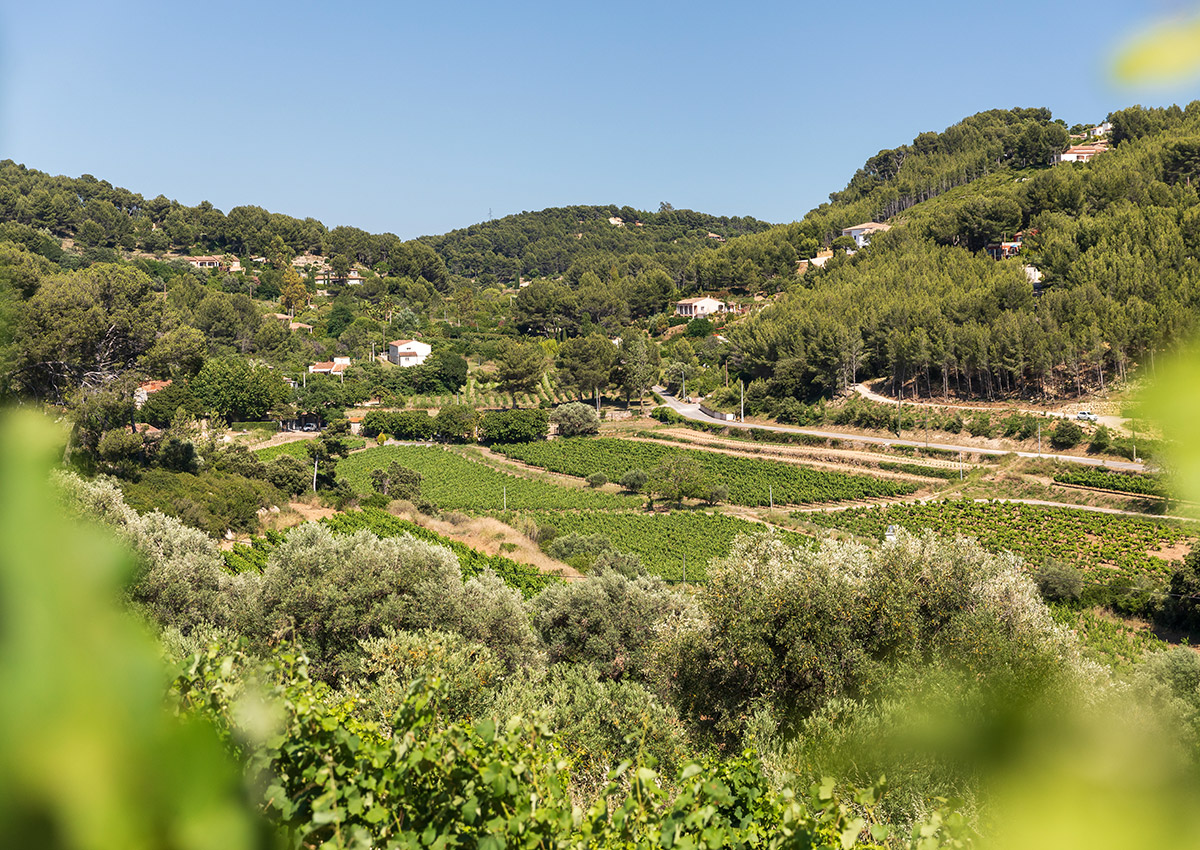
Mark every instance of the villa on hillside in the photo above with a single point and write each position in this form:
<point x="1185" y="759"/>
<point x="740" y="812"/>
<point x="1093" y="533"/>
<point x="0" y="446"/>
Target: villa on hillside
<point x="696" y="308"/>
<point x="861" y="233"/>
<point x="408" y="352"/>
<point x="207" y="262"/>
<point x="336" y="366"/>
<point x="1081" y="153"/>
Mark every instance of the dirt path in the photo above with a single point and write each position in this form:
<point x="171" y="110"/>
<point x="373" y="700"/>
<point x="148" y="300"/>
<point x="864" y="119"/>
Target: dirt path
<point x="736" y="450"/>
<point x="1065" y="409"/>
<point x="810" y="454"/>
<point x="488" y="535"/>
<point x="283" y="437"/>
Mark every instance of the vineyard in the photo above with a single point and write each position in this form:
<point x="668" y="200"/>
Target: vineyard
<point x="526" y="579"/>
<point x="1138" y="485"/>
<point x="751" y="481"/>
<point x="453" y="482"/>
<point x="1085" y="539"/>
<point x="296" y="448"/>
<point x="664" y="542"/>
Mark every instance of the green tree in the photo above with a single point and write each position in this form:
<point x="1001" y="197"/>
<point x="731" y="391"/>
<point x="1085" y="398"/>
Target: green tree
<point x="456" y="423"/>
<point x="233" y="389"/>
<point x="575" y="419"/>
<point x="584" y="364"/>
<point x="83" y="328"/>
<point x="679" y="477"/>
<point x="294" y="294"/>
<point x="520" y="366"/>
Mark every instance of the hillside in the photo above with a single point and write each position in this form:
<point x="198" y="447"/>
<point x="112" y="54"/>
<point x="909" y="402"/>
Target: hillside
<point x="1112" y="241"/>
<point x="545" y="243"/>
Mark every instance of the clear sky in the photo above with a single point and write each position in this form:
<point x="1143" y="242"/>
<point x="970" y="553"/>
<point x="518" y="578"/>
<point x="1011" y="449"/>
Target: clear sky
<point x="418" y="118"/>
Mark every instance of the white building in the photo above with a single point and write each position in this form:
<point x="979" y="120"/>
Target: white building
<point x="861" y="233"/>
<point x="695" y="308"/>
<point x="336" y="366"/>
<point x="408" y="352"/>
<point x="1081" y="153"/>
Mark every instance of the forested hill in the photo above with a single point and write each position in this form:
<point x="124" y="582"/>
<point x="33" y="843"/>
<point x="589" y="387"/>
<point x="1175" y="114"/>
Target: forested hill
<point x="545" y="243"/>
<point x="1114" y="241"/>
<point x="38" y="210"/>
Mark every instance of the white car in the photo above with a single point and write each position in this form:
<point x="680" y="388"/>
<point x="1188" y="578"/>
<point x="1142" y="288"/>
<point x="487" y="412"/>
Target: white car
<point x="1087" y="416"/>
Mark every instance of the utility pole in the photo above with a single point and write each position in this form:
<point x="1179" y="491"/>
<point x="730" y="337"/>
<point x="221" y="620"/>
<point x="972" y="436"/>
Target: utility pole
<point x="898" y="402"/>
<point x="742" y="387"/>
<point x="1039" y="439"/>
<point x="683" y="381"/>
<point x="960" y="466"/>
<point x="314" y="475"/>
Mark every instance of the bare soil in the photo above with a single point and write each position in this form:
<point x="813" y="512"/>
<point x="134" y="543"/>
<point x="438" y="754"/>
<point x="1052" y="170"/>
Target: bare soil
<point x="487" y="535"/>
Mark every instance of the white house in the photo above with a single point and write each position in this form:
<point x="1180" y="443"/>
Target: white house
<point x="205" y="262"/>
<point x="336" y="366"/>
<point x="1081" y="153"/>
<point x="695" y="308"/>
<point x="408" y="352"/>
<point x="861" y="233"/>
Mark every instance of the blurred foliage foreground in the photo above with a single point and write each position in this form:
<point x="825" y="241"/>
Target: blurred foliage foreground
<point x="102" y="744"/>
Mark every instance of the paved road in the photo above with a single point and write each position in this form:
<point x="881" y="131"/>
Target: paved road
<point x="693" y="412"/>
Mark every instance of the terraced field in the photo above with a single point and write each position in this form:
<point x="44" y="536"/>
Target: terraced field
<point x="1091" y="541"/>
<point x="664" y="542"/>
<point x="456" y="483"/>
<point x="751" y="481"/>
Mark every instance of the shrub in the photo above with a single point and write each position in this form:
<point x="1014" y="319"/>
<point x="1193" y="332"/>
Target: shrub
<point x="1101" y="440"/>
<point x="634" y="480"/>
<point x="666" y="414"/>
<point x="579" y="550"/>
<point x="597" y="479"/>
<point x="1066" y="435"/>
<point x="397" y="482"/>
<point x="288" y="475"/>
<point x="1058" y="582"/>
<point x="456" y="423"/>
<point x="513" y="426"/>
<point x="592" y="717"/>
<point x="678" y="477"/>
<point x="332" y="590"/>
<point x="469" y="672"/>
<point x="607" y="620"/>
<point x="575" y="420"/>
<point x="980" y="425"/>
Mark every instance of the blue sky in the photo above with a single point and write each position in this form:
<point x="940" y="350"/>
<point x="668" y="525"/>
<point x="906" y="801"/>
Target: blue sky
<point x="418" y="118"/>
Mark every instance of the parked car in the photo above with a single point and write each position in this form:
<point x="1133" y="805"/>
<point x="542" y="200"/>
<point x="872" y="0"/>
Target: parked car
<point x="1087" y="416"/>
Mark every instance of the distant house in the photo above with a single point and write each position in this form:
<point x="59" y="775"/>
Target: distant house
<point x="861" y="233"/>
<point x="146" y="389"/>
<point x="695" y="308"/>
<point x="205" y="262"/>
<point x="329" y="278"/>
<point x="1081" y="153"/>
<point x="1100" y="130"/>
<point x="614" y="221"/>
<point x="336" y="366"/>
<point x="300" y="326"/>
<point x="1004" y="250"/>
<point x="408" y="352"/>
